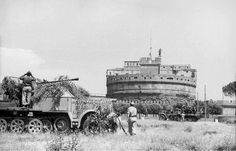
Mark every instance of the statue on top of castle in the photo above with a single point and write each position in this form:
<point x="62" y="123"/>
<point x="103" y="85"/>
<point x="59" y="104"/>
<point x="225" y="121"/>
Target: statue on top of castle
<point x="160" y="52"/>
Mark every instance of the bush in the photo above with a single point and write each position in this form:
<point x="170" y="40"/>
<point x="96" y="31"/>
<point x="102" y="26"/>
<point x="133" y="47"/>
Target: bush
<point x="120" y="108"/>
<point x="141" y="109"/>
<point x="62" y="143"/>
<point x="153" y="108"/>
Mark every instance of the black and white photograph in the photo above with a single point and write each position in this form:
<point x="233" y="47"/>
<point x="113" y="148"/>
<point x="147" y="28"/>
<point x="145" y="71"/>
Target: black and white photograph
<point x="117" y="75"/>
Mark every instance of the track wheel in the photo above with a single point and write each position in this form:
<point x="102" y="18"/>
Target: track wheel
<point x="62" y="124"/>
<point x="3" y="125"/>
<point x="162" y="117"/>
<point x="17" y="126"/>
<point x="35" y="126"/>
<point x="47" y="126"/>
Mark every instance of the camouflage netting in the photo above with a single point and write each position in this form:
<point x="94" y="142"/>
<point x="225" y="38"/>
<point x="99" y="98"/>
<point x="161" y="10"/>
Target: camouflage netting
<point x="56" y="90"/>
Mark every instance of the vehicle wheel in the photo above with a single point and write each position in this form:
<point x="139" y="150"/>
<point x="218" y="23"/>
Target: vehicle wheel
<point x="177" y="118"/>
<point x="35" y="126"/>
<point x="62" y="124"/>
<point x="90" y="126"/>
<point x="162" y="117"/>
<point x="17" y="126"/>
<point x="3" y="125"/>
<point x="47" y="126"/>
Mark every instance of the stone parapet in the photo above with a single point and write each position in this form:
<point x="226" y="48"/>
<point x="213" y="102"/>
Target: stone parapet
<point x="160" y="78"/>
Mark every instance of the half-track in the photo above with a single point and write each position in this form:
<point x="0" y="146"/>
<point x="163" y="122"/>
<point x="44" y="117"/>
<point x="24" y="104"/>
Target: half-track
<point x="71" y="114"/>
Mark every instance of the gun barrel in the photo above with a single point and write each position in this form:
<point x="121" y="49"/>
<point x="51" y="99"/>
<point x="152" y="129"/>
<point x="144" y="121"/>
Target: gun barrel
<point x="47" y="82"/>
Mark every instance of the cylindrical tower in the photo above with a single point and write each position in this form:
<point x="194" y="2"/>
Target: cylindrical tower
<point x="149" y="78"/>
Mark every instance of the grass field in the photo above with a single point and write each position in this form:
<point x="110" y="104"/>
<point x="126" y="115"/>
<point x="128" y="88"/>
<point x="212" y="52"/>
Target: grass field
<point x="151" y="135"/>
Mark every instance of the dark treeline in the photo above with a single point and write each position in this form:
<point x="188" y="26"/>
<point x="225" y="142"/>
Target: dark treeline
<point x="212" y="108"/>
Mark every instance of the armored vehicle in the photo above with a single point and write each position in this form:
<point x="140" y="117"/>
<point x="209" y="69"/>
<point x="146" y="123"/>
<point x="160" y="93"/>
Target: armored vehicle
<point x="70" y="114"/>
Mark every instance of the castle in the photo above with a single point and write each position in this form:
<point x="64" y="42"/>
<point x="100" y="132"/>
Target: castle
<point x="148" y="78"/>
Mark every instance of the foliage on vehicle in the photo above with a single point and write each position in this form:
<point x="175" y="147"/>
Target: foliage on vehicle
<point x="12" y="88"/>
<point x="56" y="90"/>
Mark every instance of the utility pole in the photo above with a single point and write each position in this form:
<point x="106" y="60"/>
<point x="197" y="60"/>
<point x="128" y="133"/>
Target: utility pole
<point x="197" y="103"/>
<point x="205" y="101"/>
<point x="222" y="94"/>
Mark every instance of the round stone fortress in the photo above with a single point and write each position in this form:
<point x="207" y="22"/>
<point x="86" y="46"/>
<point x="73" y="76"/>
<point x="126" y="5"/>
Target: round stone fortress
<point x="147" y="77"/>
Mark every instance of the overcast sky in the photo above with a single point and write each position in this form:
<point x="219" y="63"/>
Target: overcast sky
<point x="83" y="38"/>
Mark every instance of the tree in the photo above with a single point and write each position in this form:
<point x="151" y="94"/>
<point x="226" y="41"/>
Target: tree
<point x="120" y="108"/>
<point x="141" y="108"/>
<point x="154" y="109"/>
<point x="230" y="89"/>
<point x="215" y="109"/>
<point x="167" y="108"/>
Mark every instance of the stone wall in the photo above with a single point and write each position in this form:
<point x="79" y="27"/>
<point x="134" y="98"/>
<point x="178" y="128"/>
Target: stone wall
<point x="150" y="84"/>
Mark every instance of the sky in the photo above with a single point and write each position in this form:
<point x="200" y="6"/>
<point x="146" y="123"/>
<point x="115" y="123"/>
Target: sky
<point x="84" y="38"/>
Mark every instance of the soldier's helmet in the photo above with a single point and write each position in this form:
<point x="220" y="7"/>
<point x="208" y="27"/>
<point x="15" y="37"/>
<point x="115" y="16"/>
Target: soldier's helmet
<point x="28" y="73"/>
<point x="132" y="103"/>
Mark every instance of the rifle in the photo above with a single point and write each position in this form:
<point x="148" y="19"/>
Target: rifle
<point x="122" y="126"/>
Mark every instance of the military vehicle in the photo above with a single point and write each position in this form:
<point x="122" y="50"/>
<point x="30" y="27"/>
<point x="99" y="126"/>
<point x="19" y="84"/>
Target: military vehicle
<point x="177" y="115"/>
<point x="70" y="114"/>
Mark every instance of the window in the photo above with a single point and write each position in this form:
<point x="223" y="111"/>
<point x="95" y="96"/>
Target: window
<point x="170" y="78"/>
<point x="161" y="77"/>
<point x="135" y="77"/>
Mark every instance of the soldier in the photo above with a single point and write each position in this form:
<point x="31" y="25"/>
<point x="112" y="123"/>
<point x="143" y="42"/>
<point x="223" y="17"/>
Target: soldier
<point x="27" y="88"/>
<point x="132" y="118"/>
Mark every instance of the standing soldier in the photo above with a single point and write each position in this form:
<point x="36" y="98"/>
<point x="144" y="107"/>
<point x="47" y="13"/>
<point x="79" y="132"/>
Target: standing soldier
<point x="27" y="88"/>
<point x="132" y="118"/>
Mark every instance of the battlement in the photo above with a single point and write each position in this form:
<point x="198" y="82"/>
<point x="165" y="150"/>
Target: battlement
<point x="161" y="78"/>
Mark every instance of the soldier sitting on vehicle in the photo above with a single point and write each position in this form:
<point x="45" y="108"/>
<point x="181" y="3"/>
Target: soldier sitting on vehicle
<point x="28" y="80"/>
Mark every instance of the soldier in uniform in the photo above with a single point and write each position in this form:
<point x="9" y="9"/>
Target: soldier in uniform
<point x="28" y="80"/>
<point x="132" y="119"/>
